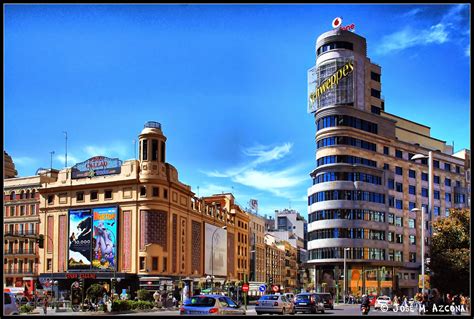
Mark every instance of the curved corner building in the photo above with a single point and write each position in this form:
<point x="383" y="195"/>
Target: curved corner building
<point x="364" y="183"/>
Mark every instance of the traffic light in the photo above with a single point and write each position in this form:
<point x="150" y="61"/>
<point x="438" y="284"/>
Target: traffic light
<point x="270" y="280"/>
<point x="40" y="241"/>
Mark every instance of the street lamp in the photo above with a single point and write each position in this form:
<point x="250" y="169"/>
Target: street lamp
<point x="344" y="287"/>
<point x="422" y="245"/>
<point x="212" y="256"/>
<point x="430" y="179"/>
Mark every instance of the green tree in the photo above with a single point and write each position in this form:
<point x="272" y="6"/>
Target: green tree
<point x="94" y="292"/>
<point x="144" y="295"/>
<point x="450" y="252"/>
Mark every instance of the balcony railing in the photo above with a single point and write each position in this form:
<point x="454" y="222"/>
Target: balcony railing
<point x="20" y="252"/>
<point x="20" y="233"/>
<point x="19" y="271"/>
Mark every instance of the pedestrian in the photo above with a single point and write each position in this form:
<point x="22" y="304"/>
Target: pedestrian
<point x="457" y="304"/>
<point x="45" y="306"/>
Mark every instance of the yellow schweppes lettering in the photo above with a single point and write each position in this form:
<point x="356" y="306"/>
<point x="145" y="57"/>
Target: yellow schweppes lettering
<point x="334" y="79"/>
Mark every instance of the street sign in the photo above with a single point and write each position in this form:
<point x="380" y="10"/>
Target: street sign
<point x="245" y="287"/>
<point x="275" y="288"/>
<point x="262" y="288"/>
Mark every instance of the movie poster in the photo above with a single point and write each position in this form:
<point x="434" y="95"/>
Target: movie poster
<point x="104" y="238"/>
<point x="80" y="233"/>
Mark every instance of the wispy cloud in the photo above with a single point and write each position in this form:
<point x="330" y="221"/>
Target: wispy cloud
<point x="444" y="31"/>
<point x="71" y="159"/>
<point x="467" y="52"/>
<point x="278" y="182"/>
<point x="24" y="160"/>
<point x="115" y="149"/>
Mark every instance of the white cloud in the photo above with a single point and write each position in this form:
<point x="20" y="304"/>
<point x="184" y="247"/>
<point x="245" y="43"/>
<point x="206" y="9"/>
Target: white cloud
<point x="412" y="12"/>
<point x="71" y="159"/>
<point x="270" y="181"/>
<point x="467" y="52"/>
<point x="116" y="149"/>
<point x="24" y="160"/>
<point x="447" y="29"/>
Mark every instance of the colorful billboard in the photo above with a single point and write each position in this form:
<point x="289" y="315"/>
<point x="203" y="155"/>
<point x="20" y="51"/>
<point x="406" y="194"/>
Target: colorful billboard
<point x="96" y="166"/>
<point x="80" y="232"/>
<point x="104" y="238"/>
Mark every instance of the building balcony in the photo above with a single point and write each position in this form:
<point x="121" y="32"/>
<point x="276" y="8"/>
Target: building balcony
<point x="21" y="252"/>
<point x="20" y="233"/>
<point x="15" y="271"/>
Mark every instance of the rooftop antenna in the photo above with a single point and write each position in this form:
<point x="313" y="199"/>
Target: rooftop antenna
<point x="65" y="158"/>
<point x="52" y="153"/>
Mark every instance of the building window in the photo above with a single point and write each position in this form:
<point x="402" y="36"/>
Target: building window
<point x="435" y="164"/>
<point x="399" y="221"/>
<point x="424" y="192"/>
<point x="375" y="93"/>
<point x="154" y="263"/>
<point x="33" y="209"/>
<point x="386" y="150"/>
<point x="391" y="183"/>
<point x="412" y="239"/>
<point x="108" y="194"/>
<point x="398" y="170"/>
<point x="143" y="191"/>
<point x="410" y="156"/>
<point x="386" y="166"/>
<point x="12" y="211"/>
<point x="436" y="194"/>
<point x="424" y="177"/>
<point x="142" y="263"/>
<point x="49" y="264"/>
<point x="436" y="210"/>
<point x="391" y="201"/>
<point x="80" y="196"/>
<point x="165" y="263"/>
<point x="375" y="76"/>
<point x="398" y="255"/>
<point x="448" y="197"/>
<point x="447" y="182"/>
<point x="156" y="192"/>
<point x="398" y="154"/>
<point x="411" y="205"/>
<point x="94" y="195"/>
<point x="411" y="223"/>
<point x="50" y="199"/>
<point x="399" y="238"/>
<point x="145" y="150"/>
<point x="398" y="204"/>
<point x="375" y="109"/>
<point x="458" y="169"/>
<point x="436" y="179"/>
<point x="154" y="150"/>
<point x="390" y="236"/>
<point x="447" y="167"/>
<point x="163" y="149"/>
<point x="412" y="189"/>
<point x="446" y="212"/>
<point x="413" y="260"/>
<point x="12" y="196"/>
<point x="22" y="210"/>
<point x="411" y="173"/>
<point x="165" y="193"/>
<point x="390" y="218"/>
<point x="399" y="187"/>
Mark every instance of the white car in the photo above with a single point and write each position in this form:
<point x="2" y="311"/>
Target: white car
<point x="9" y="304"/>
<point x="383" y="302"/>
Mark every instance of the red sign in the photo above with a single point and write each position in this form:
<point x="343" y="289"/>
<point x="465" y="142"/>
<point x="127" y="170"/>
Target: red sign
<point x="275" y="288"/>
<point x="337" y="23"/>
<point x="245" y="287"/>
<point x="84" y="276"/>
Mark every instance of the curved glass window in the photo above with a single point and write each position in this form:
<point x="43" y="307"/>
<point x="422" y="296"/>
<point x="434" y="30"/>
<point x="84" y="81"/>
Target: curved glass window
<point x="346" y="140"/>
<point x="346" y="120"/>
<point x="347" y="176"/>
<point x="346" y="195"/>
<point x="332" y="159"/>
<point x="334" y="45"/>
<point x="352" y="253"/>
<point x="349" y="214"/>
<point x="352" y="233"/>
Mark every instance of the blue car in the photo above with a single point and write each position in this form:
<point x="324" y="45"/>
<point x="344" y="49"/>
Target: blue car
<point x="308" y="303"/>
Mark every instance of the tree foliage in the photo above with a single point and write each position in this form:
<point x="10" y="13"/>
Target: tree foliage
<point x="94" y="292"/>
<point x="450" y="252"/>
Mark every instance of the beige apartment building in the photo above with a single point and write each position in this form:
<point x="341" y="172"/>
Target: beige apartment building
<point x="365" y="183"/>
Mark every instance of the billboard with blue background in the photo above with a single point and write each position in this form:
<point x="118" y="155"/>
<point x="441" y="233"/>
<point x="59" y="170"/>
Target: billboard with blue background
<point x="104" y="238"/>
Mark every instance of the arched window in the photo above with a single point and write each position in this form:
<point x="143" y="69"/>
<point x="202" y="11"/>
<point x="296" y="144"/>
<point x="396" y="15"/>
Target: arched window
<point x="22" y="195"/>
<point x="12" y="195"/>
<point x="27" y="194"/>
<point x="33" y="193"/>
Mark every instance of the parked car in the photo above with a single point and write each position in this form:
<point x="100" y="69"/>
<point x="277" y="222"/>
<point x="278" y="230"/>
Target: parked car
<point x="383" y="301"/>
<point x="327" y="300"/>
<point x="211" y="305"/>
<point x="9" y="304"/>
<point x="308" y="302"/>
<point x="274" y="304"/>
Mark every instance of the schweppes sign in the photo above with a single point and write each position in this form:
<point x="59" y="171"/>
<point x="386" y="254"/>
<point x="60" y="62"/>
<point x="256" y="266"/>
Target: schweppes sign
<point x="333" y="80"/>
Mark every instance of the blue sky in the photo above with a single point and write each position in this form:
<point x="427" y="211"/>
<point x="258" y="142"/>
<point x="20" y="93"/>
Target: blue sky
<point x="228" y="83"/>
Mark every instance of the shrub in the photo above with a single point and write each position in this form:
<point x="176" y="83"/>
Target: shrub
<point x="142" y="305"/>
<point x="26" y="309"/>
<point x="94" y="292"/>
<point x="144" y="295"/>
<point x="121" y="305"/>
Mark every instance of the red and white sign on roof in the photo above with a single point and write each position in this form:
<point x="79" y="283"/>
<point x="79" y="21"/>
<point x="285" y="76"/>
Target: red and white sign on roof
<point x="337" y="23"/>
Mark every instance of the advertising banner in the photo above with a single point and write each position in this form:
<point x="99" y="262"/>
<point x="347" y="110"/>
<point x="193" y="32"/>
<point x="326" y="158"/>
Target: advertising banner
<point x="80" y="232"/>
<point x="96" y="166"/>
<point x="215" y="254"/>
<point x="104" y="238"/>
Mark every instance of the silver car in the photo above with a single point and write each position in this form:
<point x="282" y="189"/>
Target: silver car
<point x="274" y="304"/>
<point x="211" y="305"/>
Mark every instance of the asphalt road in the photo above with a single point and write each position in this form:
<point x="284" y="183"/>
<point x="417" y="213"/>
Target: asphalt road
<point x="339" y="310"/>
